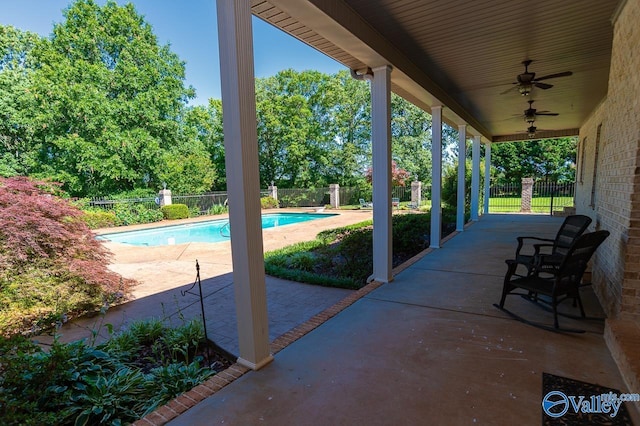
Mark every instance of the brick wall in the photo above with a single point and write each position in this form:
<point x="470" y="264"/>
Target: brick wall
<point x="616" y="194"/>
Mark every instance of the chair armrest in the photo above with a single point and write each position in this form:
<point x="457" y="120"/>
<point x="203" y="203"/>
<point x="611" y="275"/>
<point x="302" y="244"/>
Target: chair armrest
<point x="537" y="248"/>
<point x="512" y="267"/>
<point x="549" y="240"/>
<point x="521" y="241"/>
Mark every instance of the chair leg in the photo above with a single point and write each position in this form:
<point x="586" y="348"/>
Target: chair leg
<point x="580" y="304"/>
<point x="555" y="312"/>
<point x="506" y="289"/>
<point x="506" y="285"/>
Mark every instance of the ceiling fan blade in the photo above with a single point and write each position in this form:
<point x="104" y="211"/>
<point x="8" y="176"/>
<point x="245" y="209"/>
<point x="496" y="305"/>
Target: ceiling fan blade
<point x="510" y="89"/>
<point x="547" y="113"/>
<point x="543" y="86"/>
<point x="560" y="74"/>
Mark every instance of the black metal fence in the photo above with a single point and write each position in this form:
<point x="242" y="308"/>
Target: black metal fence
<point x="547" y="197"/>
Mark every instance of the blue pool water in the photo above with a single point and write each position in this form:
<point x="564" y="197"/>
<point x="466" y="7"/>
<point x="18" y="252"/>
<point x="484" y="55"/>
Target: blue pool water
<point x="212" y="231"/>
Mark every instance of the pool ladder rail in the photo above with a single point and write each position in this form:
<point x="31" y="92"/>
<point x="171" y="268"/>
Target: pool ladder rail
<point x="226" y="227"/>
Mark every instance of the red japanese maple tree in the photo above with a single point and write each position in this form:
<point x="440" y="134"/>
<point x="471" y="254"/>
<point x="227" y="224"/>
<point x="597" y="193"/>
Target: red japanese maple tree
<point x="44" y="243"/>
<point x="399" y="176"/>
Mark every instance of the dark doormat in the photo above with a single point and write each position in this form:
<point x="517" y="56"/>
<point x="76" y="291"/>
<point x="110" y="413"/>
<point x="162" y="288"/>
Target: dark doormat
<point x="561" y="396"/>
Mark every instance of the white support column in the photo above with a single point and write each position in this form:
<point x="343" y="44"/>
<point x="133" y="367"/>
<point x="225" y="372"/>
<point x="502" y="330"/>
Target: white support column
<point x="436" y="176"/>
<point x="462" y="165"/>
<point x="487" y="175"/>
<point x="475" y="178"/>
<point x="381" y="147"/>
<point x="241" y="147"/>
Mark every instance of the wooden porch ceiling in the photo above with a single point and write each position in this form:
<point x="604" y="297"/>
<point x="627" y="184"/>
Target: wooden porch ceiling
<point x="464" y="54"/>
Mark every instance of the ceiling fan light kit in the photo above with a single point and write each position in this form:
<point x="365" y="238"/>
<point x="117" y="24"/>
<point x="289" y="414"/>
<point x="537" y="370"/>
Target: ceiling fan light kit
<point x="525" y="83"/>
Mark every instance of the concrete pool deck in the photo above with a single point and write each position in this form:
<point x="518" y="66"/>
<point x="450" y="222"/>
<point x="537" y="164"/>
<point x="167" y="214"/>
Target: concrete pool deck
<point x="165" y="273"/>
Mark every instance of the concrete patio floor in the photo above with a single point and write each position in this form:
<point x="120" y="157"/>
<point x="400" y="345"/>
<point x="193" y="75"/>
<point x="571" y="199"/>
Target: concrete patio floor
<point x="427" y="348"/>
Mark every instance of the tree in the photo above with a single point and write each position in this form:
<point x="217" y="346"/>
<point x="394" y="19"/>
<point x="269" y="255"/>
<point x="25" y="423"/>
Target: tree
<point x="351" y="129"/>
<point x="109" y="100"/>
<point x="204" y="124"/>
<point x="283" y="130"/>
<point x="17" y="154"/>
<point x="552" y="159"/>
<point x="50" y="263"/>
<point x="411" y="138"/>
<point x="399" y="177"/>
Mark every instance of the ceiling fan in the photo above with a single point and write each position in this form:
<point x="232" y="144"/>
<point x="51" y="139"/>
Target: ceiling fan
<point x="531" y="130"/>
<point x="527" y="80"/>
<point x="531" y="113"/>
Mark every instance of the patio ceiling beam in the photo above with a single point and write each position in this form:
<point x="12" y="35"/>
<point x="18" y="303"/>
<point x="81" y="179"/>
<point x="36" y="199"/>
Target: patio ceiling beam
<point x="340" y="25"/>
<point x="243" y="184"/>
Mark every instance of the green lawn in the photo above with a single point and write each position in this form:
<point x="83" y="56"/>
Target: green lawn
<point x="538" y="204"/>
<point x="502" y="204"/>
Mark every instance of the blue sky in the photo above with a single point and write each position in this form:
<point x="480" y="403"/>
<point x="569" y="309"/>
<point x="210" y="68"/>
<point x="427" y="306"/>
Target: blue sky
<point x="190" y="27"/>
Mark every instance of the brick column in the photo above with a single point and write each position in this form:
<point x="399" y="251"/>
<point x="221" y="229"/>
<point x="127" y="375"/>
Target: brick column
<point x="334" y="195"/>
<point x="527" y="194"/>
<point x="273" y="191"/>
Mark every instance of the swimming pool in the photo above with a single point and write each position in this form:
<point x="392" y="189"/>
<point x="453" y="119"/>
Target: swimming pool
<point x="212" y="231"/>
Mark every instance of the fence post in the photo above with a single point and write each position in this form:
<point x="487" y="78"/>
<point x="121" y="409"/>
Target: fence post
<point x="273" y="192"/>
<point x="527" y="194"/>
<point x="164" y="197"/>
<point x="416" y="193"/>
<point x="334" y="195"/>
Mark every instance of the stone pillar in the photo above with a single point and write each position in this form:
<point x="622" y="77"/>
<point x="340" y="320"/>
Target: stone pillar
<point x="165" y="197"/>
<point x="436" y="176"/>
<point x="243" y="180"/>
<point x="334" y="195"/>
<point x="381" y="153"/>
<point x="273" y="191"/>
<point x="475" y="178"/>
<point x="416" y="193"/>
<point x="527" y="195"/>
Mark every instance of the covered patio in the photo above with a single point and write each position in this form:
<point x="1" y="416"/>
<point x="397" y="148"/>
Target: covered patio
<point x="425" y="344"/>
<point x="428" y="348"/>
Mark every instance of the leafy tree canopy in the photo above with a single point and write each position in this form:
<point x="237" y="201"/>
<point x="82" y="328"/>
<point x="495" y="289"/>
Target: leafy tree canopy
<point x="552" y="159"/>
<point x="108" y="99"/>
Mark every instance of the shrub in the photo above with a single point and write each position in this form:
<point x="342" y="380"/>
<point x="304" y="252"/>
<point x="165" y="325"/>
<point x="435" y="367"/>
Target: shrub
<point x="134" y="213"/>
<point x="51" y="266"/>
<point x="343" y="257"/>
<point x="194" y="211"/>
<point x="99" y="218"/>
<point x="268" y="203"/>
<point x="175" y="211"/>
<point x="218" y="209"/>
<point x="114" y="383"/>
<point x="450" y="186"/>
<point x="410" y="233"/>
<point x="329" y="235"/>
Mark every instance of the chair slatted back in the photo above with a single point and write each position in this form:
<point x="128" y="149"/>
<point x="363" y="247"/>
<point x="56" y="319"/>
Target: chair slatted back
<point x="571" y="229"/>
<point x="578" y="255"/>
